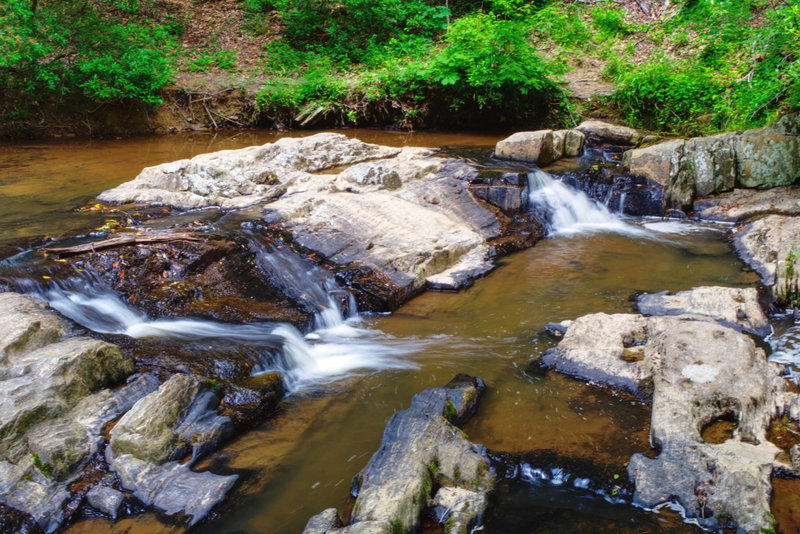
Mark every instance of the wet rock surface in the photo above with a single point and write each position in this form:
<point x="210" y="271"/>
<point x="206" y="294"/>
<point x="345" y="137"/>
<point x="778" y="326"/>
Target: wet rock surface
<point x="695" y="370"/>
<point x="770" y="246"/>
<point x="398" y="216"/>
<point x="741" y="205"/>
<point x="422" y="449"/>
<point x="735" y="308"/>
<point x="52" y="406"/>
<point x="612" y="133"/>
<point x="541" y="147"/>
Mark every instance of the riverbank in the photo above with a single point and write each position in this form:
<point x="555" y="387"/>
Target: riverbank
<point x="242" y="64"/>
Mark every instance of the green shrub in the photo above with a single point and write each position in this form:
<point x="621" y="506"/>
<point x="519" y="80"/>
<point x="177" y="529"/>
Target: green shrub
<point x="80" y="49"/>
<point x="609" y="22"/>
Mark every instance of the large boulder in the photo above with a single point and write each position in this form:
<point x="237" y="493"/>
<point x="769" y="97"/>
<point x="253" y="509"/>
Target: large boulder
<point x="176" y="420"/>
<point x="737" y="308"/>
<point x="421" y="449"/>
<point x="611" y="133"/>
<point x="771" y="246"/>
<point x="541" y="147"/>
<point x="532" y="147"/>
<point x="696" y="371"/>
<point x="762" y="158"/>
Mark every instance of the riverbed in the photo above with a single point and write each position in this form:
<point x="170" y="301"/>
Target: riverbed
<point x="569" y="441"/>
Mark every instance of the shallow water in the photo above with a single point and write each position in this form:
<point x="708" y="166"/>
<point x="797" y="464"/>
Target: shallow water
<point x="303" y="460"/>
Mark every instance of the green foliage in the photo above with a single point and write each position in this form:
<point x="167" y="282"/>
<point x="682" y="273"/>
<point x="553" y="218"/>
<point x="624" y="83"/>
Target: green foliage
<point x="350" y="30"/>
<point x="664" y="95"/>
<point x="221" y="59"/>
<point x="562" y="24"/>
<point x="609" y="22"/>
<point x="745" y="68"/>
<point x="86" y="49"/>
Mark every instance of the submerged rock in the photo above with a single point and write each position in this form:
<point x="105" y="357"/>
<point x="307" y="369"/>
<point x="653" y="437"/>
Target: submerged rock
<point x="696" y="371"/>
<point x="771" y="246"/>
<point x="421" y="448"/>
<point x="735" y="308"/>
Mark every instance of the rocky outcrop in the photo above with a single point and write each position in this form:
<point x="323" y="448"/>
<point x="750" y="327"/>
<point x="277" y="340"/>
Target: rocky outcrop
<point x="52" y="406"/>
<point x="735" y="308"/>
<point x="610" y="133"/>
<point x="238" y="178"/>
<point x="402" y="214"/>
<point x="696" y="371"/>
<point x="745" y="204"/>
<point x="421" y="448"/>
<point x="771" y="246"/>
<point x="541" y="147"/>
<point x="178" y="419"/>
<point x="688" y="169"/>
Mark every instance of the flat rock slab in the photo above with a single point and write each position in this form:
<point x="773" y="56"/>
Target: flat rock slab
<point x="27" y="325"/>
<point x="737" y="308"/>
<point x="402" y="214"/>
<point x="696" y="371"/>
<point x="741" y="205"/>
<point x="172" y="487"/>
<point x="771" y="247"/>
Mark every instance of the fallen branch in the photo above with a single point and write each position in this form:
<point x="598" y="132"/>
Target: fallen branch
<point x="119" y="241"/>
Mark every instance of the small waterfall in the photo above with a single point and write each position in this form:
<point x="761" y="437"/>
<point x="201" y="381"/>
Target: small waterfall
<point x="621" y="210"/>
<point x="334" y="354"/>
<point x="569" y="211"/>
<point x="305" y="282"/>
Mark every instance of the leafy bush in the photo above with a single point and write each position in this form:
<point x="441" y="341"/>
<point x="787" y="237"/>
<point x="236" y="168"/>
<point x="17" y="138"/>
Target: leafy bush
<point x="347" y="29"/>
<point x="79" y="49"/>
<point x="609" y="22"/>
<point x="562" y="24"/>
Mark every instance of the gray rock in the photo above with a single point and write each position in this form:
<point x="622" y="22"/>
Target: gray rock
<point x="766" y="158"/>
<point x="458" y="509"/>
<point x="27" y="325"/>
<point x="612" y="133"/>
<point x="509" y="198"/>
<point x="51" y="412"/>
<point x="744" y="204"/>
<point x="421" y="446"/>
<point x="696" y="370"/>
<point x="169" y="423"/>
<point x="172" y="487"/>
<point x="106" y="500"/>
<point x="537" y="147"/>
<point x="323" y="522"/>
<point x="239" y="178"/>
<point x="401" y="213"/>
<point x="733" y="307"/>
<point x="771" y="247"/>
<point x="573" y="142"/>
<point x="762" y="158"/>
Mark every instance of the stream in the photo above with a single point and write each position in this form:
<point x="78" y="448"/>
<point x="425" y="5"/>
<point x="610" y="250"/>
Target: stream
<point x="563" y="443"/>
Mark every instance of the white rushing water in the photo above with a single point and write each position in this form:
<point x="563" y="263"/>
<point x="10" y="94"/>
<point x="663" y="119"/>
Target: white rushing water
<point x="570" y="211"/>
<point x="338" y="350"/>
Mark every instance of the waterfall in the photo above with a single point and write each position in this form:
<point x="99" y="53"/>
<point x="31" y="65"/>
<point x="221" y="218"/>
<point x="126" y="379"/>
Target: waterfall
<point x="335" y="352"/>
<point x="568" y="211"/>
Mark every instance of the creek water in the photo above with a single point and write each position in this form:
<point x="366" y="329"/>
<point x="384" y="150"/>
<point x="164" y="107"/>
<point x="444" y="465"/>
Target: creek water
<point x="564" y="442"/>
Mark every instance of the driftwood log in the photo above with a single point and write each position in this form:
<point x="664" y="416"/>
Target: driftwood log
<point x="119" y="241"/>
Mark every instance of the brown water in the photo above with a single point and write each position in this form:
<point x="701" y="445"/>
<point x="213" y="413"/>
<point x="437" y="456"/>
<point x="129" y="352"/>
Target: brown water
<point x="302" y="460"/>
